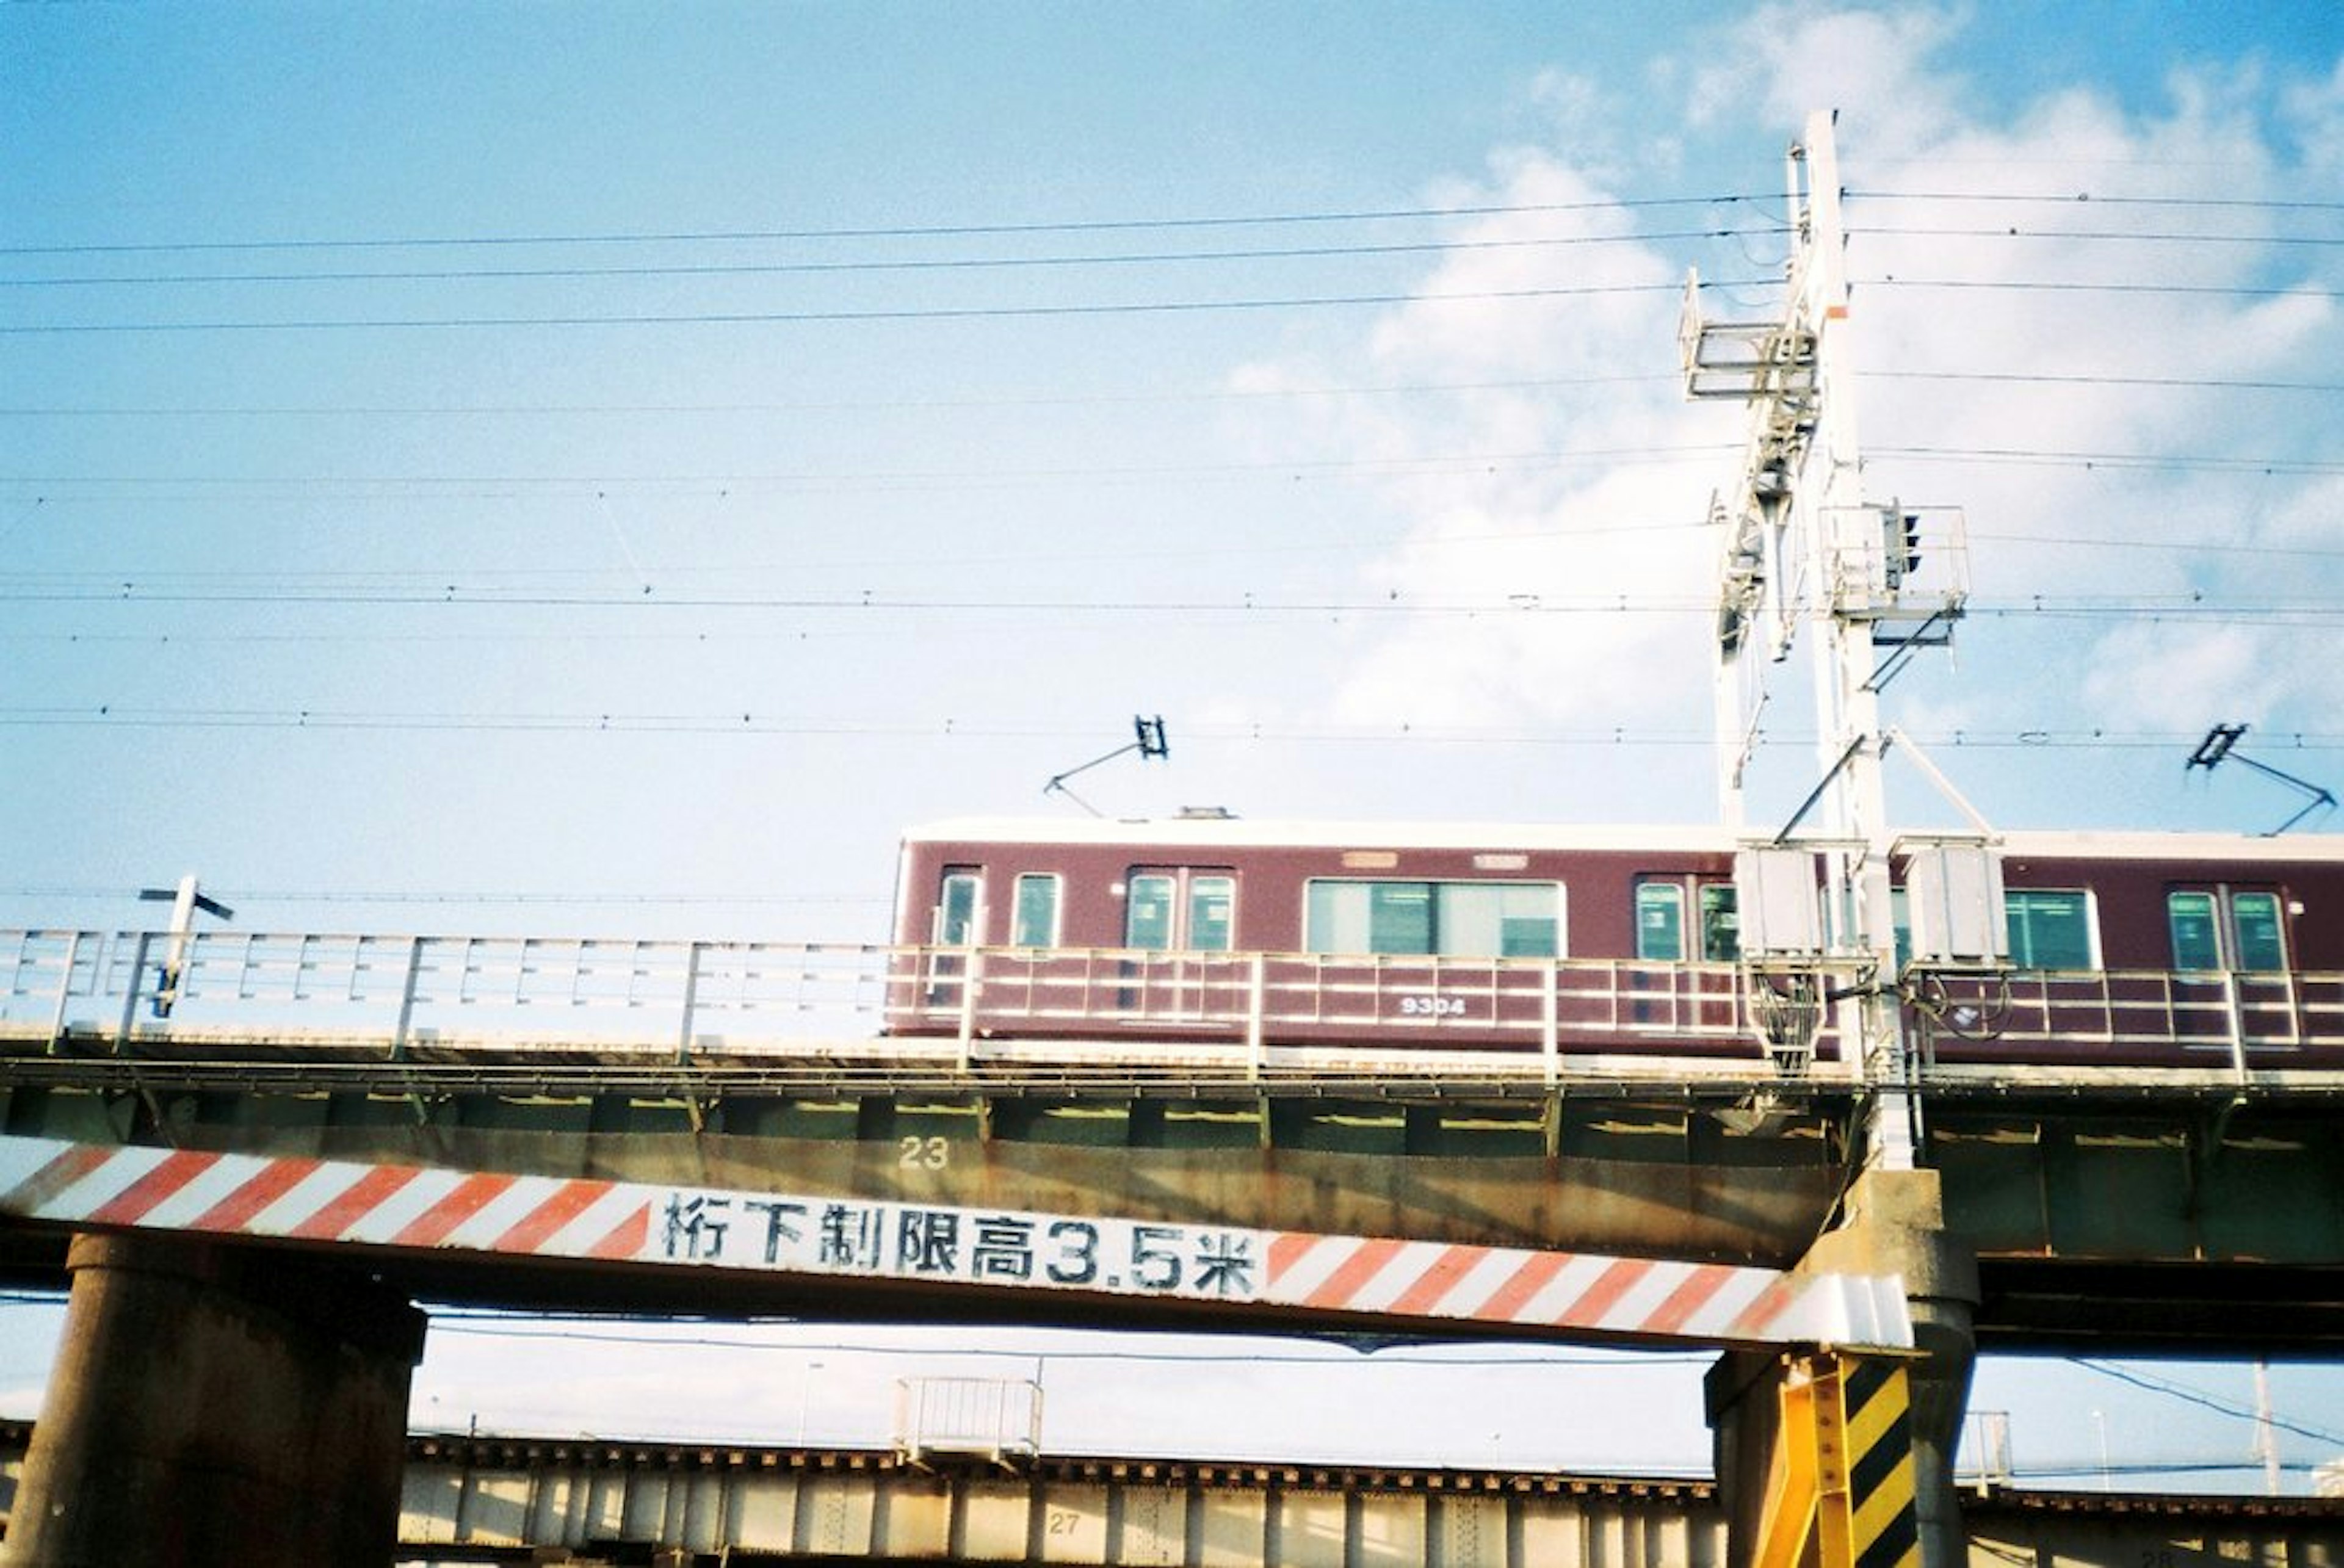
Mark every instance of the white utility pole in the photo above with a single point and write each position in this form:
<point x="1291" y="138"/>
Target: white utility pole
<point x="1803" y="546"/>
<point x="185" y="900"/>
<point x="2267" y="1432"/>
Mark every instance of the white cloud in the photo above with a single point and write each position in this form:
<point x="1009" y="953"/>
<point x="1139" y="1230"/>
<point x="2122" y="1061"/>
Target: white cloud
<point x="1542" y="498"/>
<point x="2095" y="437"/>
<point x="1784" y="62"/>
<point x="2313" y="114"/>
<point x="2164" y="676"/>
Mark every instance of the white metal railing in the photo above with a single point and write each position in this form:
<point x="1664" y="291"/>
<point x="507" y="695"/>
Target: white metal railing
<point x="999" y="1418"/>
<point x="2237" y="1017"/>
<point x="404" y="990"/>
<point x="395" y="992"/>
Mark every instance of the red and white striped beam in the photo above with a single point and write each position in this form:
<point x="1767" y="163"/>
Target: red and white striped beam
<point x="413" y="1209"/>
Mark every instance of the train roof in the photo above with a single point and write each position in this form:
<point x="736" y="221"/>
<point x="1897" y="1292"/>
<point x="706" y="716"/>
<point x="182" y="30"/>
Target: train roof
<point x="1251" y="833"/>
<point x="1246" y="832"/>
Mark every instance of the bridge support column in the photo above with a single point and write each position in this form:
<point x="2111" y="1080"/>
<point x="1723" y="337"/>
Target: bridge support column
<point x="1894" y="1225"/>
<point x="216" y="1405"/>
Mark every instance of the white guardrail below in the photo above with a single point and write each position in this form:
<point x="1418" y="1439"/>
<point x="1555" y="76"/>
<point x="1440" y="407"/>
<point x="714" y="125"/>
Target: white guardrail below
<point x="400" y="993"/>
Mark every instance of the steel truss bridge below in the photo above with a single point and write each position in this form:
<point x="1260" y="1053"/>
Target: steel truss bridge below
<point x="496" y="1498"/>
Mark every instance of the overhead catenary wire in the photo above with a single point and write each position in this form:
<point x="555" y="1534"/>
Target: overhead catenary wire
<point x="641" y="598"/>
<point x="2079" y="286"/>
<point x="901" y="231"/>
<point x="57" y="488"/>
<point x="2075" y="198"/>
<point x="1038" y="311"/>
<point x="885" y="264"/>
<point x="1329" y="1351"/>
<point x="1277" y="466"/>
<point x="1397" y="731"/>
<point x="2089" y="236"/>
<point x="1194" y="221"/>
<point x="1013" y="398"/>
<point x="2205" y="1401"/>
<point x="1071" y="309"/>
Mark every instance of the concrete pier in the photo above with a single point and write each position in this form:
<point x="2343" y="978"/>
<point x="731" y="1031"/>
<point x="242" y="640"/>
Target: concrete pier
<point x="215" y="1406"/>
<point x="1894" y="1224"/>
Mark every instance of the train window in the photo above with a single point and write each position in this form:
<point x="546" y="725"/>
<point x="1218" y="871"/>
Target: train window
<point x="1179" y="910"/>
<point x="1147" y="914"/>
<point x="1720" y="922"/>
<point x="1659" y="922"/>
<point x="2189" y="917"/>
<point x="2254" y="917"/>
<point x="957" y="906"/>
<point x="1035" y="917"/>
<point x="2049" y="929"/>
<point x="2250" y="939"/>
<point x="1212" y="913"/>
<point x="1453" y="919"/>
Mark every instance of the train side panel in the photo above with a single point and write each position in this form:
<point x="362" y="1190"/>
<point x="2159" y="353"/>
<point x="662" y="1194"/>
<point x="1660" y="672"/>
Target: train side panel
<point x="1133" y="945"/>
<point x="2159" y="960"/>
<point x="2213" y="954"/>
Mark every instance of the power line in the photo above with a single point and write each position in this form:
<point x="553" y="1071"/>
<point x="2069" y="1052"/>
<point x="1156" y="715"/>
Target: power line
<point x="1058" y="311"/>
<point x="816" y="318"/>
<point x="868" y="266"/>
<point x="926" y="231"/>
<point x="1124" y="225"/>
<point x="2198" y="1397"/>
<point x="2214" y="383"/>
<point x="2177" y="547"/>
<point x="2212" y="462"/>
<point x="2081" y="197"/>
<point x="111" y="582"/>
<point x="412" y="487"/>
<point x="644" y="597"/>
<point x="1013" y="399"/>
<point x="1336" y="1353"/>
<point x="1086" y="399"/>
<point x="1399" y="732"/>
<point x="1435" y="462"/>
<point x="2145" y="236"/>
<point x="2072" y="285"/>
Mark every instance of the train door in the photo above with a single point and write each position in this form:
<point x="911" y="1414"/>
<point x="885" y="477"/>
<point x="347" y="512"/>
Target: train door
<point x="2229" y="951"/>
<point x="1666" y="993"/>
<point x="1661" y="908"/>
<point x="1175" y="919"/>
<point x="956" y="922"/>
<point x="1180" y="909"/>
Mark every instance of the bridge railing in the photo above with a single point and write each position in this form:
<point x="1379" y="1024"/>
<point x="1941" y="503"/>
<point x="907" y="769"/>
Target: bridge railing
<point x="405" y="991"/>
<point x="396" y="994"/>
<point x="2243" y="1020"/>
<point x="1520" y="1004"/>
<point x="399" y="993"/>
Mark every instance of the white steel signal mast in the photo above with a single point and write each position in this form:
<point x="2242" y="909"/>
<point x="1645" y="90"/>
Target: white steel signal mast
<point x="1802" y="543"/>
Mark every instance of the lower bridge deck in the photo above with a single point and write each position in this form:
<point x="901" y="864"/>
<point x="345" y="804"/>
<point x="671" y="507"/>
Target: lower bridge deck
<point x="483" y="1500"/>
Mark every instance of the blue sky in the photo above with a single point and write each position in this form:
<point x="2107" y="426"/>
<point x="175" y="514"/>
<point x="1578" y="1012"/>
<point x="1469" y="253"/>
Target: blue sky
<point x="501" y="467"/>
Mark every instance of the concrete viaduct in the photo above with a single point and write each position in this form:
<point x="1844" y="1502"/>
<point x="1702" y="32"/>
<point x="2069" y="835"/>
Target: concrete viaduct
<point x="237" y="1382"/>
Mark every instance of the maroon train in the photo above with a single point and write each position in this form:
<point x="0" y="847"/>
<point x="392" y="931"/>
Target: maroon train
<point x="2122" y="949"/>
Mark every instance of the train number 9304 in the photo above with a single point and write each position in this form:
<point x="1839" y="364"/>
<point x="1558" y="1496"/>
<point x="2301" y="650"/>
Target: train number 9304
<point x="1427" y="1006"/>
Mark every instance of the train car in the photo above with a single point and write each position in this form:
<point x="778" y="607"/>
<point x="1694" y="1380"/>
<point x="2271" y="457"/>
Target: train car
<point x="2121" y="949"/>
<point x="2208" y="950"/>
